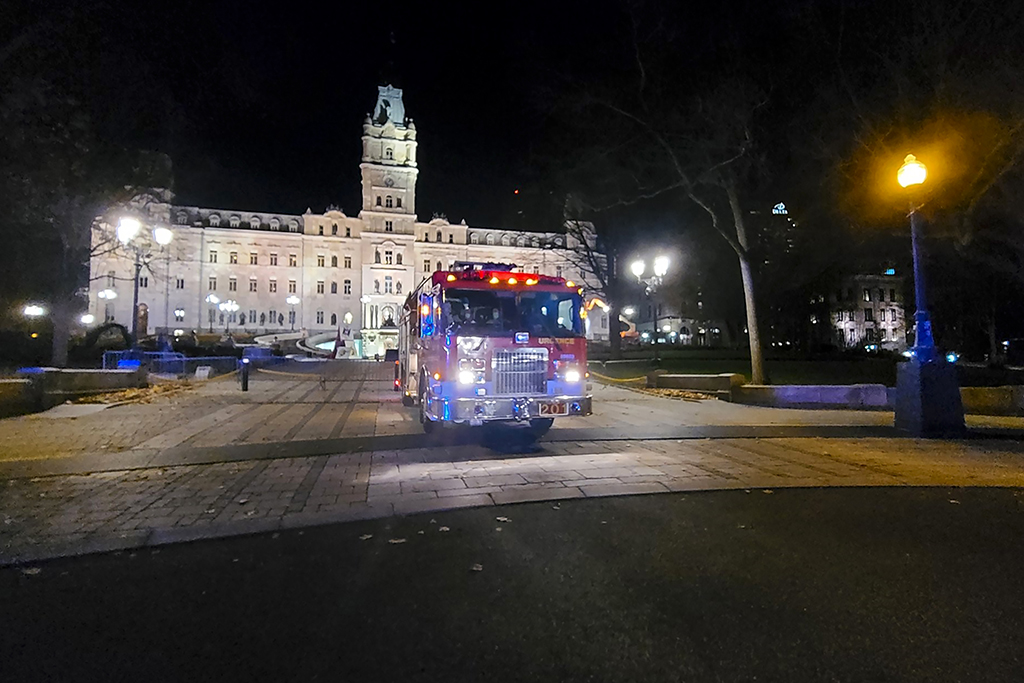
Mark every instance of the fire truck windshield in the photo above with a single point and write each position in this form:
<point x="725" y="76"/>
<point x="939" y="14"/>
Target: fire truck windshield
<point x="489" y="312"/>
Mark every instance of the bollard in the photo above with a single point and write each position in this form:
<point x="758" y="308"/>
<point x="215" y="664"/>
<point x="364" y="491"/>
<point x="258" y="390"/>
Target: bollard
<point x="245" y="374"/>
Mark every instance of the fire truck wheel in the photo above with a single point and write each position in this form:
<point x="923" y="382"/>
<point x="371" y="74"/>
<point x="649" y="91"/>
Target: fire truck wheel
<point x="540" y="426"/>
<point x="428" y="424"/>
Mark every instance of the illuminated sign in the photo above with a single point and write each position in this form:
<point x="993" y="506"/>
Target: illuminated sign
<point x="780" y="209"/>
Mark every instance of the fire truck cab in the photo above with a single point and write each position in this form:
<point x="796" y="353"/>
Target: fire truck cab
<point x="480" y="343"/>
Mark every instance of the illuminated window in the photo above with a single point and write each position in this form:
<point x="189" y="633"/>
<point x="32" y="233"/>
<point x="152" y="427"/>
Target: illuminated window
<point x="867" y="294"/>
<point x="233" y="257"/>
<point x="293" y="260"/>
<point x="273" y="287"/>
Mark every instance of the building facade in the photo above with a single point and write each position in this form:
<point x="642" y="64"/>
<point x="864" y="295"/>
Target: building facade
<point x="867" y="310"/>
<point x="314" y="272"/>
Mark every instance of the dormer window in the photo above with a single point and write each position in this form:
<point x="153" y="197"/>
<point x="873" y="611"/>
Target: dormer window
<point x="535" y="243"/>
<point x="334" y="229"/>
<point x="520" y="241"/>
<point x="293" y="225"/>
<point x="474" y="238"/>
<point x="214" y="220"/>
<point x="182" y="218"/>
<point x="275" y="224"/>
<point x="234" y="221"/>
<point x="505" y="241"/>
<point x="254" y="222"/>
<point x="438" y="235"/>
<point x="490" y="239"/>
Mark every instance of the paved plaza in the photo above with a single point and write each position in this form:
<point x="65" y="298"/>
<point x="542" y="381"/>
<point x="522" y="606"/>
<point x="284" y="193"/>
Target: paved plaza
<point x="315" y="443"/>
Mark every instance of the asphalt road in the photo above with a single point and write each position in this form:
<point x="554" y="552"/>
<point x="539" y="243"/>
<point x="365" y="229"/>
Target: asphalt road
<point x="791" y="585"/>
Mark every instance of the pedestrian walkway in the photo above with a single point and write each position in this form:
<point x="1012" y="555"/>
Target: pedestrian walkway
<point x="312" y="443"/>
<point x="72" y="514"/>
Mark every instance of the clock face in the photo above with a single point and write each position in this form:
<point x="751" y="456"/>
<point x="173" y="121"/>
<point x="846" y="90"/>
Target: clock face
<point x="389" y="182"/>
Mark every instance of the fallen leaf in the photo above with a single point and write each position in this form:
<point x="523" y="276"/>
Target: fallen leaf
<point x="250" y="513"/>
<point x="366" y="537"/>
<point x="476" y="568"/>
<point x="443" y="528"/>
<point x="31" y="571"/>
<point x="502" y="519"/>
<point x="556" y="506"/>
<point x="954" y="502"/>
<point x="396" y="541"/>
<point x="210" y="511"/>
<point x="767" y="491"/>
<point x="243" y="501"/>
<point x="420" y="533"/>
<point x="497" y="528"/>
<point x="433" y="521"/>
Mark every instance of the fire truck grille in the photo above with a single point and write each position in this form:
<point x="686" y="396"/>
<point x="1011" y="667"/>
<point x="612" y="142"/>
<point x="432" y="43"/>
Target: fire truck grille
<point x="520" y="371"/>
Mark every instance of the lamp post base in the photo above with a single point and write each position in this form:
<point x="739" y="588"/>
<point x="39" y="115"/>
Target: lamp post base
<point x="928" y="402"/>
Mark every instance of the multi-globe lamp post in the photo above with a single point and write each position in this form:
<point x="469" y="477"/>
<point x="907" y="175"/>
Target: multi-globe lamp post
<point x="212" y="300"/>
<point x="292" y="301"/>
<point x="928" y="401"/>
<point x="659" y="268"/>
<point x="128" y="229"/>
<point x="229" y="308"/>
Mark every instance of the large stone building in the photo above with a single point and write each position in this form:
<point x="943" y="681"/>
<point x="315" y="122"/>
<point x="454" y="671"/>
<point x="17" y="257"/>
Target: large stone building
<point x="341" y="272"/>
<point x="867" y="311"/>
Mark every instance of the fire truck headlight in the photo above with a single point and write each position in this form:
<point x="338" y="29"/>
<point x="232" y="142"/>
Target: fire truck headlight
<point x="467" y="377"/>
<point x="572" y="376"/>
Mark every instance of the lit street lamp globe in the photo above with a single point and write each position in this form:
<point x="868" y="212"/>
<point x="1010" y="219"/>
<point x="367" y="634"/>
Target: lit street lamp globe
<point x="127" y="229"/>
<point x="34" y="311"/>
<point x="628" y="310"/>
<point x="163" y="236"/>
<point x="212" y="299"/>
<point x="912" y="172"/>
<point x="88" y="319"/>
<point x="107" y="294"/>
<point x="661" y="266"/>
<point x="638" y="268"/>
<point x="292" y="300"/>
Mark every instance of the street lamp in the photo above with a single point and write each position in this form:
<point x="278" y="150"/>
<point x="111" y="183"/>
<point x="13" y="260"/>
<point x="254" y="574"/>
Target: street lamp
<point x="928" y="398"/>
<point x="628" y="310"/>
<point x="651" y="284"/>
<point x="230" y="307"/>
<point x="128" y="228"/>
<point x="88" y="319"/>
<point x="34" y="311"/>
<point x="292" y="301"/>
<point x="213" y="300"/>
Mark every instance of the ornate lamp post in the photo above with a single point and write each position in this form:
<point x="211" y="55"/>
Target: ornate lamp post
<point x="229" y="307"/>
<point x="128" y="229"/>
<point x="928" y="399"/>
<point x="213" y="300"/>
<point x="651" y="284"/>
<point x="292" y="301"/>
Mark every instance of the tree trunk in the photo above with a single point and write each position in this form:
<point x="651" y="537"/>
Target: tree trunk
<point x="758" y="375"/>
<point x="614" y="331"/>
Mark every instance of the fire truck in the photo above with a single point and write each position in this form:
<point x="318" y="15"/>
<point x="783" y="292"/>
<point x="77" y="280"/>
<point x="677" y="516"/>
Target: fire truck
<point x="481" y="343"/>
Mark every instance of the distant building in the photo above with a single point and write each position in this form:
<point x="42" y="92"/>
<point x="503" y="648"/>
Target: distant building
<point x="868" y="310"/>
<point x="350" y="273"/>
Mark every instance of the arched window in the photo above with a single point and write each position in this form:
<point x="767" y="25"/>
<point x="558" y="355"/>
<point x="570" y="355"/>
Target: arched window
<point x="388" y="202"/>
<point x="334" y="288"/>
<point x="321" y="231"/>
<point x="378" y="201"/>
<point x="389" y="153"/>
<point x="505" y="241"/>
<point x="182" y="218"/>
<point x="275" y="224"/>
<point x="490" y="239"/>
<point x="234" y="221"/>
<point x="426" y="237"/>
<point x="334" y="262"/>
<point x="254" y="222"/>
<point x="474" y="238"/>
<point x="438" y="266"/>
<point x="398" y="287"/>
<point x="214" y="220"/>
<point x="334" y="318"/>
<point x="293" y="225"/>
<point x="334" y="229"/>
<point x="398" y="259"/>
<point x="398" y="202"/>
<point x="438" y="235"/>
<point x="376" y="257"/>
<point x="451" y="238"/>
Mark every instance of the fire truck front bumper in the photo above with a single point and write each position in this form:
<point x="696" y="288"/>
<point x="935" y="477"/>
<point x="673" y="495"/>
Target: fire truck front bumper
<point x="477" y="410"/>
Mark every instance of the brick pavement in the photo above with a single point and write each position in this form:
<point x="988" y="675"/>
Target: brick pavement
<point x="71" y="514"/>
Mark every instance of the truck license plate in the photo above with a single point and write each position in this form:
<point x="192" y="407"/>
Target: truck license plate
<point x="554" y="408"/>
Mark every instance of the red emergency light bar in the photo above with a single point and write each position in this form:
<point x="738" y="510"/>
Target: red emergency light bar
<point x="498" y="278"/>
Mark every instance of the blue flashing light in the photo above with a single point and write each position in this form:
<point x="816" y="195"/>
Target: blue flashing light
<point x="890" y="271"/>
<point x="522" y="337"/>
<point x="952" y="357"/>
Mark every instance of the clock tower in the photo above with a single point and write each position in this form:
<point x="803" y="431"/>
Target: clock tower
<point x="388" y="167"/>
